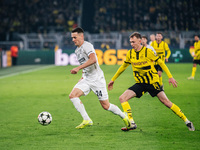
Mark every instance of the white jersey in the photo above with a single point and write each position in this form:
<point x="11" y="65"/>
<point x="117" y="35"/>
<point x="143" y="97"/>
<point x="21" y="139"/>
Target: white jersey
<point x="92" y="72"/>
<point x="149" y="46"/>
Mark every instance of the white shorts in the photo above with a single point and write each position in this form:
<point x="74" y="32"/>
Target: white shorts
<point x="97" y="86"/>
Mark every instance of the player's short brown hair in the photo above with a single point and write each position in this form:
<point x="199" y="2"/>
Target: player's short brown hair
<point x="136" y="34"/>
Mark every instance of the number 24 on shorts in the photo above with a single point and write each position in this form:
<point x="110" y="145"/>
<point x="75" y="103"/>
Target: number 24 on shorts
<point x="99" y="93"/>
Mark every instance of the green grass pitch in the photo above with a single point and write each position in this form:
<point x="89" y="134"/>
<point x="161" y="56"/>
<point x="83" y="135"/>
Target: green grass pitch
<point x="24" y="94"/>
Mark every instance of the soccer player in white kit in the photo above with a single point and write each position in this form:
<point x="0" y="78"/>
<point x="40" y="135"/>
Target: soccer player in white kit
<point x="92" y="79"/>
<point x="144" y="43"/>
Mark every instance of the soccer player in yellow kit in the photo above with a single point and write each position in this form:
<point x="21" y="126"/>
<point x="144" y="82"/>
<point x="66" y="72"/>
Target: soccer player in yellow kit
<point x="196" y="56"/>
<point x="147" y="80"/>
<point x="160" y="48"/>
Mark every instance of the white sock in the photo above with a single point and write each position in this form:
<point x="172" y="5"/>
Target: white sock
<point x="115" y="110"/>
<point x="80" y="108"/>
<point x="187" y="121"/>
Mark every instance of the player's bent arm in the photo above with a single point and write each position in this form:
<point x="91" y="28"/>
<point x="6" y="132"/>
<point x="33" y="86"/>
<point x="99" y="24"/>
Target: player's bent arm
<point x="92" y="60"/>
<point x="117" y="74"/>
<point x="168" y="54"/>
<point x="164" y="67"/>
<point x="120" y="70"/>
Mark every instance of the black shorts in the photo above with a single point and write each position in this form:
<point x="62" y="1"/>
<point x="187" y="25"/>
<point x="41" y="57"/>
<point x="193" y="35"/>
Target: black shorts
<point x="196" y="61"/>
<point x="158" y="68"/>
<point x="141" y="88"/>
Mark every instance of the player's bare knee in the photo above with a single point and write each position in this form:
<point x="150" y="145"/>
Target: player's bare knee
<point x="121" y="99"/>
<point x="72" y="95"/>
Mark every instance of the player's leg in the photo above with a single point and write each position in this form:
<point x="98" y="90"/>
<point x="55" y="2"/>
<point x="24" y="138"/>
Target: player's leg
<point x="100" y="89"/>
<point x="79" y="90"/>
<point x="135" y="91"/>
<point x="115" y="110"/>
<point x="128" y="94"/>
<point x="159" y="70"/>
<point x="160" y="78"/>
<point x="111" y="107"/>
<point x="194" y="68"/>
<point x="163" y="98"/>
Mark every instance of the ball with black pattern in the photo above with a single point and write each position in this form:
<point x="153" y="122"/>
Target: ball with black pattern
<point x="44" y="118"/>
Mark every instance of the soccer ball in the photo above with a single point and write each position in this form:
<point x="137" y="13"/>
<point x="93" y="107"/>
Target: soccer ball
<point x="44" y="118"/>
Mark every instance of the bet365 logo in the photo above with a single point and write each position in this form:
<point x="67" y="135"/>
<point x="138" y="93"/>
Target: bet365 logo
<point x="63" y="59"/>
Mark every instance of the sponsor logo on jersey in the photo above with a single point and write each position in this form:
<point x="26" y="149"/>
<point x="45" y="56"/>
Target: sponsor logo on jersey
<point x="81" y="60"/>
<point x="139" y="63"/>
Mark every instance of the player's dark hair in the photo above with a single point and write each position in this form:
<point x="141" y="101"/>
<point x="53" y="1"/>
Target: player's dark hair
<point x="159" y="33"/>
<point x="196" y="35"/>
<point x="136" y="34"/>
<point x="78" y="30"/>
<point x="144" y="36"/>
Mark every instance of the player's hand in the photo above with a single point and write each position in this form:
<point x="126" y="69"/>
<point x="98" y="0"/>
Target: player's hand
<point x="173" y="82"/>
<point x="194" y="55"/>
<point x="110" y="85"/>
<point x="166" y="59"/>
<point x="74" y="70"/>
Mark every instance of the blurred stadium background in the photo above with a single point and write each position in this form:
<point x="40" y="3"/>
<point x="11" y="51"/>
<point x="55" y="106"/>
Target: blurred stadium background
<point x="38" y="26"/>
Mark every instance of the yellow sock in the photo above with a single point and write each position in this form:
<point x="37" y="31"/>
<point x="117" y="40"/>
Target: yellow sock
<point x="127" y="108"/>
<point x="193" y="71"/>
<point x="160" y="81"/>
<point x="178" y="112"/>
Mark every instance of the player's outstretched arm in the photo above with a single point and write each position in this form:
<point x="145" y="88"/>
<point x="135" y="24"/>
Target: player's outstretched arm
<point x="173" y="82"/>
<point x="164" y="67"/>
<point x="120" y="70"/>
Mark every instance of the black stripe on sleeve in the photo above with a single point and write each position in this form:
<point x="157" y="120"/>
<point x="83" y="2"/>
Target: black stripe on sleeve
<point x="156" y="60"/>
<point x="197" y="50"/>
<point x="127" y="62"/>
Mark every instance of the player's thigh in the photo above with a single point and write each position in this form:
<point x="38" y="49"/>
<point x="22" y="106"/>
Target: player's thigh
<point x="153" y="89"/>
<point x="137" y="90"/>
<point x="99" y="88"/>
<point x="76" y="93"/>
<point x="194" y="65"/>
<point x="128" y="94"/>
<point x="81" y="88"/>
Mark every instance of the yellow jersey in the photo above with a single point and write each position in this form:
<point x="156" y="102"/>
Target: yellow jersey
<point x="197" y="50"/>
<point x="142" y="63"/>
<point x="160" y="49"/>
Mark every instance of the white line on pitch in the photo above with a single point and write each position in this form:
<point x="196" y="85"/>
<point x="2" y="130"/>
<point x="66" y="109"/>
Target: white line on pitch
<point x="27" y="71"/>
